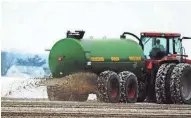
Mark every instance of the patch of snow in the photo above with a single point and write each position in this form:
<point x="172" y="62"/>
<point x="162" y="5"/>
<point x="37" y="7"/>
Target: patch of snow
<point x="22" y="88"/>
<point x="92" y="97"/>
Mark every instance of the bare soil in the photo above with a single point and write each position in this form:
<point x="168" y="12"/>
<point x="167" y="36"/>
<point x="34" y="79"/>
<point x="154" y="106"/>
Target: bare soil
<point x="41" y="108"/>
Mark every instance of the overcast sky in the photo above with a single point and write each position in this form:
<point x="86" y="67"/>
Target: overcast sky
<point x="34" y="26"/>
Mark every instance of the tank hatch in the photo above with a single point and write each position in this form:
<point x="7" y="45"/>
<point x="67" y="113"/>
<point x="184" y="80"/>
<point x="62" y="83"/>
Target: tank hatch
<point x="77" y="34"/>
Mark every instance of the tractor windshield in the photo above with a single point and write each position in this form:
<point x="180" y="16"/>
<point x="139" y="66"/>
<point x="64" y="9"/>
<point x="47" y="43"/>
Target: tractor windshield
<point x="153" y="44"/>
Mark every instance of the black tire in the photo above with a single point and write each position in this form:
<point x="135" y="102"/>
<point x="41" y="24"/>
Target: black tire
<point x="165" y="85"/>
<point x="168" y="72"/>
<point x="108" y="87"/>
<point x="160" y="84"/>
<point x="128" y="84"/>
<point x="181" y="84"/>
<point x="142" y="92"/>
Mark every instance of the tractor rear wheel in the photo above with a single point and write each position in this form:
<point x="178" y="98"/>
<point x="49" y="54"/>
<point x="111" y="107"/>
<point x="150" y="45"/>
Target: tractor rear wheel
<point x="108" y="87"/>
<point x="128" y="86"/>
<point x="160" y="83"/>
<point x="181" y="84"/>
<point x="163" y="83"/>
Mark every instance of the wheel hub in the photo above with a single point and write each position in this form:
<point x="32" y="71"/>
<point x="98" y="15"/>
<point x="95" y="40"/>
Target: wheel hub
<point x="114" y="91"/>
<point x="131" y="93"/>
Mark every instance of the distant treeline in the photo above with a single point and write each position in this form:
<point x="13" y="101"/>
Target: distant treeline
<point x="9" y="59"/>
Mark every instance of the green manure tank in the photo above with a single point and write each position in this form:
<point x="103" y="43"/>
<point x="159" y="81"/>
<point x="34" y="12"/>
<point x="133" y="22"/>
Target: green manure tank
<point x="72" y="54"/>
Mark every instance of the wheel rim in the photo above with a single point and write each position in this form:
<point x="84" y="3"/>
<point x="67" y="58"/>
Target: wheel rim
<point x="114" y="93"/>
<point x="131" y="93"/>
<point x="114" y="88"/>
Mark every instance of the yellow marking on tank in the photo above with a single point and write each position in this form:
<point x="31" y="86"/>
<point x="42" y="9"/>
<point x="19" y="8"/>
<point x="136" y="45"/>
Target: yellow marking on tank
<point x="115" y="58"/>
<point x="135" y="58"/>
<point x="97" y="59"/>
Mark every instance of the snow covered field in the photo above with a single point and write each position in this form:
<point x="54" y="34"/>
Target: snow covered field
<point x="22" y="88"/>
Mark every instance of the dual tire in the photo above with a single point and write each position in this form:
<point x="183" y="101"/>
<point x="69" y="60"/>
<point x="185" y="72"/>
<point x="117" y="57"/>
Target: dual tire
<point x="180" y="84"/>
<point x="115" y="88"/>
<point x="173" y="84"/>
<point x="108" y="87"/>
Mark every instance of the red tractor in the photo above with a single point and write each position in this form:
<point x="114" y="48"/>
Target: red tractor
<point x="167" y="73"/>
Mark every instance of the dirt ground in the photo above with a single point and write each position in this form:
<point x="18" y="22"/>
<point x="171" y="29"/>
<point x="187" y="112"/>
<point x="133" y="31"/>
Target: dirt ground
<point x="44" y="108"/>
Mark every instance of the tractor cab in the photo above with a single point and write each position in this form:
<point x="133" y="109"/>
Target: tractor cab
<point x="159" y="45"/>
<point x="166" y="68"/>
